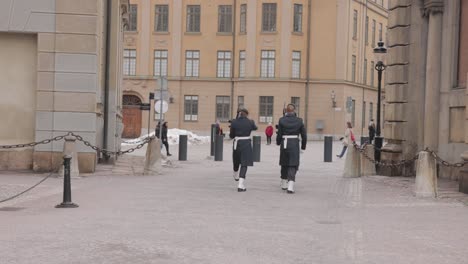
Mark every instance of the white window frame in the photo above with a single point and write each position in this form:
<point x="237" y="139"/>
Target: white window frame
<point x="225" y="18"/>
<point x="266" y="109"/>
<point x="160" y="62"/>
<point x="129" y="62"/>
<point x="242" y="58"/>
<point x="297" y="24"/>
<point x="267" y="65"/>
<point x="193" y="18"/>
<point x="223" y="69"/>
<point x="191" y="101"/>
<point x="243" y="19"/>
<point x="296" y="65"/>
<point x="223" y="108"/>
<point x="192" y="63"/>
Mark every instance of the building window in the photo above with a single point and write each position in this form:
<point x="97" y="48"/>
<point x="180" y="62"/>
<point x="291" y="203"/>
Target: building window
<point x="269" y="17"/>
<point x="191" y="108"/>
<point x="224" y="64"/>
<point x="192" y="63"/>
<point x="267" y="69"/>
<point x="372" y="65"/>
<point x="353" y="69"/>
<point x="240" y="102"/>
<point x="296" y="64"/>
<point x="132" y="18"/>
<point x="371" y="111"/>
<point x="242" y="64"/>
<point x="225" y="18"/>
<point x="353" y="113"/>
<point x="355" y="18"/>
<point x="266" y="109"/>
<point x="364" y="115"/>
<point x="380" y="32"/>
<point x="367" y="31"/>
<point x="296" y="101"/>
<point x="193" y="18"/>
<point x="223" y="106"/>
<point x="365" y="72"/>
<point x="373" y="32"/>
<point x="243" y="18"/>
<point x="129" y="62"/>
<point x="161" y="18"/>
<point x="160" y="63"/>
<point x="297" y="18"/>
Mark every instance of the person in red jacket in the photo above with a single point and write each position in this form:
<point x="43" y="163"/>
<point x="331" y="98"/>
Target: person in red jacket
<point x="269" y="133"/>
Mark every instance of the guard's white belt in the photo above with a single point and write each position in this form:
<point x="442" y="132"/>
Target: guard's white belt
<point x="285" y="142"/>
<point x="237" y="139"/>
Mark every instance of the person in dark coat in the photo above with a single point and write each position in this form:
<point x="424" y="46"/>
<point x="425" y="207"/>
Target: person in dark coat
<point x="163" y="135"/>
<point x="242" y="155"/>
<point x="289" y="129"/>
<point x="371" y="131"/>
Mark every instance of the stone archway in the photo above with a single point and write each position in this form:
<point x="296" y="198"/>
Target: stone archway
<point x="131" y="116"/>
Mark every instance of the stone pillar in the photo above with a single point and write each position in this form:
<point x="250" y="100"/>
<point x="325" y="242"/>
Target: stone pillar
<point x="153" y="164"/>
<point x="367" y="167"/>
<point x="352" y="168"/>
<point x="396" y="85"/>
<point x="463" y="178"/>
<point x="426" y="176"/>
<point x="433" y="9"/>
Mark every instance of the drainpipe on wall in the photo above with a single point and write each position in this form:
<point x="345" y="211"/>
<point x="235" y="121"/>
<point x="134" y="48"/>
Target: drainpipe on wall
<point x="309" y="17"/>
<point x="233" y="56"/>
<point x="107" y="77"/>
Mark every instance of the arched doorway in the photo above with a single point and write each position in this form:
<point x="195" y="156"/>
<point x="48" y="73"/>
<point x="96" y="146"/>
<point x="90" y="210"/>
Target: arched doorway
<point x="131" y="116"/>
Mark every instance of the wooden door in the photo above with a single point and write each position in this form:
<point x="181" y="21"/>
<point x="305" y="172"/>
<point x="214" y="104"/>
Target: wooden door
<point x="131" y="116"/>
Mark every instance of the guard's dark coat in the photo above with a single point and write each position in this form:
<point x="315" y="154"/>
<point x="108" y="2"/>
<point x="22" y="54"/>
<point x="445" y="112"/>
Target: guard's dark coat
<point x="242" y="127"/>
<point x="291" y="125"/>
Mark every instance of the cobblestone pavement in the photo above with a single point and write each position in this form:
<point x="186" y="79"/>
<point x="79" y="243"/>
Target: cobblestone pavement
<point x="192" y="214"/>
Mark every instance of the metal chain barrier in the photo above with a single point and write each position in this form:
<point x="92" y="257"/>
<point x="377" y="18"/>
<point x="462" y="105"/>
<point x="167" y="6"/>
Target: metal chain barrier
<point x="27" y="190"/>
<point x="384" y="164"/>
<point x="406" y="161"/>
<point x="141" y="144"/>
<point x="33" y="144"/>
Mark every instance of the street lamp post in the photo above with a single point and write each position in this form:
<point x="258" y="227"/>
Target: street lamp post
<point x="380" y="51"/>
<point x="333" y="98"/>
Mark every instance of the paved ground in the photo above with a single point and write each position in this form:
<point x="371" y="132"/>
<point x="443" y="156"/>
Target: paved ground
<point x="192" y="213"/>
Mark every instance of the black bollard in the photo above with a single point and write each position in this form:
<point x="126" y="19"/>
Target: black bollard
<point x="257" y="143"/>
<point x="219" y="148"/>
<point x="378" y="146"/>
<point x="67" y="202"/>
<point x="212" y="141"/>
<point x="183" y="147"/>
<point x="328" y="149"/>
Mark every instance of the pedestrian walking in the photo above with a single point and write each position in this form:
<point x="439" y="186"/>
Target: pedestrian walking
<point x="348" y="138"/>
<point x="269" y="133"/>
<point x="289" y="129"/>
<point x="371" y="131"/>
<point x="242" y="155"/>
<point x="163" y="136"/>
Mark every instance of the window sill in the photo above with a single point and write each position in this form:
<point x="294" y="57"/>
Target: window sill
<point x="161" y="33"/>
<point x="223" y="33"/>
<point x="193" y="33"/>
<point x="131" y="32"/>
<point x="297" y="33"/>
<point x="242" y="33"/>
<point x="268" y="32"/>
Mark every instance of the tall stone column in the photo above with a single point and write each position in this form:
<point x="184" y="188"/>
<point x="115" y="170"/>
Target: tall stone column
<point x="396" y="87"/>
<point x="463" y="178"/>
<point x="433" y="9"/>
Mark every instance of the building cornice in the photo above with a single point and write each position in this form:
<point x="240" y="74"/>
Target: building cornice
<point x="433" y="7"/>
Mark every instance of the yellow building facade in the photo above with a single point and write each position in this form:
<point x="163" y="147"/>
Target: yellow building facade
<point x="281" y="52"/>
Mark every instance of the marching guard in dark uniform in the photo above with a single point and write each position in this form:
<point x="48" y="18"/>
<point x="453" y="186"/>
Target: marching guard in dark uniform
<point x="289" y="129"/>
<point x="242" y="155"/>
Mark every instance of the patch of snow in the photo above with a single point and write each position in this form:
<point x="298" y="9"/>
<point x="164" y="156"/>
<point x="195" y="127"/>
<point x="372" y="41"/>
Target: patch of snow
<point x="172" y="137"/>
